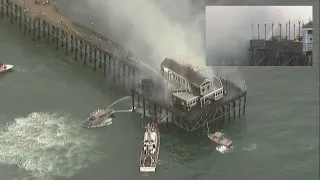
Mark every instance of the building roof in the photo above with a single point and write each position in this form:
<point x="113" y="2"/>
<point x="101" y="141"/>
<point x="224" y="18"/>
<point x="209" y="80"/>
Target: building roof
<point x="184" y="96"/>
<point x="217" y="82"/>
<point x="184" y="71"/>
<point x="308" y="25"/>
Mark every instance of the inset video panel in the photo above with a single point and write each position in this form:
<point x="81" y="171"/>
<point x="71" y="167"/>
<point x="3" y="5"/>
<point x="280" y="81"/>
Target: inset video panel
<point x="259" y="35"/>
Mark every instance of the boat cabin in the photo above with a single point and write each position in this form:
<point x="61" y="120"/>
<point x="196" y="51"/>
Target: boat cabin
<point x="148" y="161"/>
<point x="149" y="141"/>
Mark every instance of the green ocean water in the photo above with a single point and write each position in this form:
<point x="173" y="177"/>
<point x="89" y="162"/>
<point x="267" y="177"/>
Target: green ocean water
<point x="45" y="100"/>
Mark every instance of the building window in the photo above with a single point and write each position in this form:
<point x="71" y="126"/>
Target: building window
<point x="310" y="39"/>
<point x="202" y="90"/>
<point x="208" y="87"/>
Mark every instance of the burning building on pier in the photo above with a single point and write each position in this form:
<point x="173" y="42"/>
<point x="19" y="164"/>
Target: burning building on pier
<point x="191" y="88"/>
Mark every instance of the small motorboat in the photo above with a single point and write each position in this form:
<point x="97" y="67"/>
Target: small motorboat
<point x="219" y="139"/>
<point x="5" y="68"/>
<point x="150" y="149"/>
<point x="99" y="118"/>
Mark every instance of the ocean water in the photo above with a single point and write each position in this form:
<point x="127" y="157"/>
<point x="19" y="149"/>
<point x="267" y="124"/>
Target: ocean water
<point x="46" y="98"/>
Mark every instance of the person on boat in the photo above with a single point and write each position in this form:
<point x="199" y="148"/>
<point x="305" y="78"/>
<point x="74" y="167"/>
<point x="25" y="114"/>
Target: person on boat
<point x="3" y="66"/>
<point x="154" y="125"/>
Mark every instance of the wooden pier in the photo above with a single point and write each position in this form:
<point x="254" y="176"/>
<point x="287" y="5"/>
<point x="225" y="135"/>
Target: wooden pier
<point x="274" y="56"/>
<point x="45" y="24"/>
<point x="283" y="49"/>
<point x="210" y="117"/>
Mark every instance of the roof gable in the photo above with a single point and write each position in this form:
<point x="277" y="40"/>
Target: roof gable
<point x="184" y="71"/>
<point x="205" y="81"/>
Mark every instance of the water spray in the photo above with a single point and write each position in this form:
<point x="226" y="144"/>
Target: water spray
<point x="121" y="99"/>
<point x="138" y="61"/>
<point x="128" y="110"/>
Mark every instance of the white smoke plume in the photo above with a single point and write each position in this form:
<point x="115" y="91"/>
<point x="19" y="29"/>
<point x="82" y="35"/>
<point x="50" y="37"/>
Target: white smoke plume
<point x="229" y="28"/>
<point x="154" y="30"/>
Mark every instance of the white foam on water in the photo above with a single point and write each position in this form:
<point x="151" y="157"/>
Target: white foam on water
<point x="46" y="145"/>
<point x="20" y="69"/>
<point x="106" y="122"/>
<point x="251" y="147"/>
<point x="38" y="68"/>
<point x="161" y="161"/>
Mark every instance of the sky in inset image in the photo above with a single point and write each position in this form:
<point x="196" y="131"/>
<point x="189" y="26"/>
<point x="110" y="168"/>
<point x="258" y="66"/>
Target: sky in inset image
<point x="229" y="29"/>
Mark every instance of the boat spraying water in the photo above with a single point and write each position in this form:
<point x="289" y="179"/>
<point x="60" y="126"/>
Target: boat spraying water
<point x="99" y="118"/>
<point x="103" y="117"/>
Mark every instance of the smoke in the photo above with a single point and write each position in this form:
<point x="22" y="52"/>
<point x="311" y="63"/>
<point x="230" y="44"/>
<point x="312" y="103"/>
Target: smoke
<point x="154" y="30"/>
<point x="229" y="29"/>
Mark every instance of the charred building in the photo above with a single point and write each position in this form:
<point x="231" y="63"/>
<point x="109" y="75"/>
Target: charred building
<point x="193" y="89"/>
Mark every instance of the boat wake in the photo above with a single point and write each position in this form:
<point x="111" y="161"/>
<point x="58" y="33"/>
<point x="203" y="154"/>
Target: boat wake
<point x="106" y="122"/>
<point x="45" y="145"/>
<point x="251" y="147"/>
<point x="161" y="162"/>
<point x="20" y="69"/>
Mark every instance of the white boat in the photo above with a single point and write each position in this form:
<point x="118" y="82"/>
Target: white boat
<point x="6" y="68"/>
<point x="150" y="149"/>
<point x="99" y="118"/>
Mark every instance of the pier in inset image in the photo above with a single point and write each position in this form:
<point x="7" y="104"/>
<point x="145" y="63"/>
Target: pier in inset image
<point x="259" y="35"/>
<point x="293" y="47"/>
